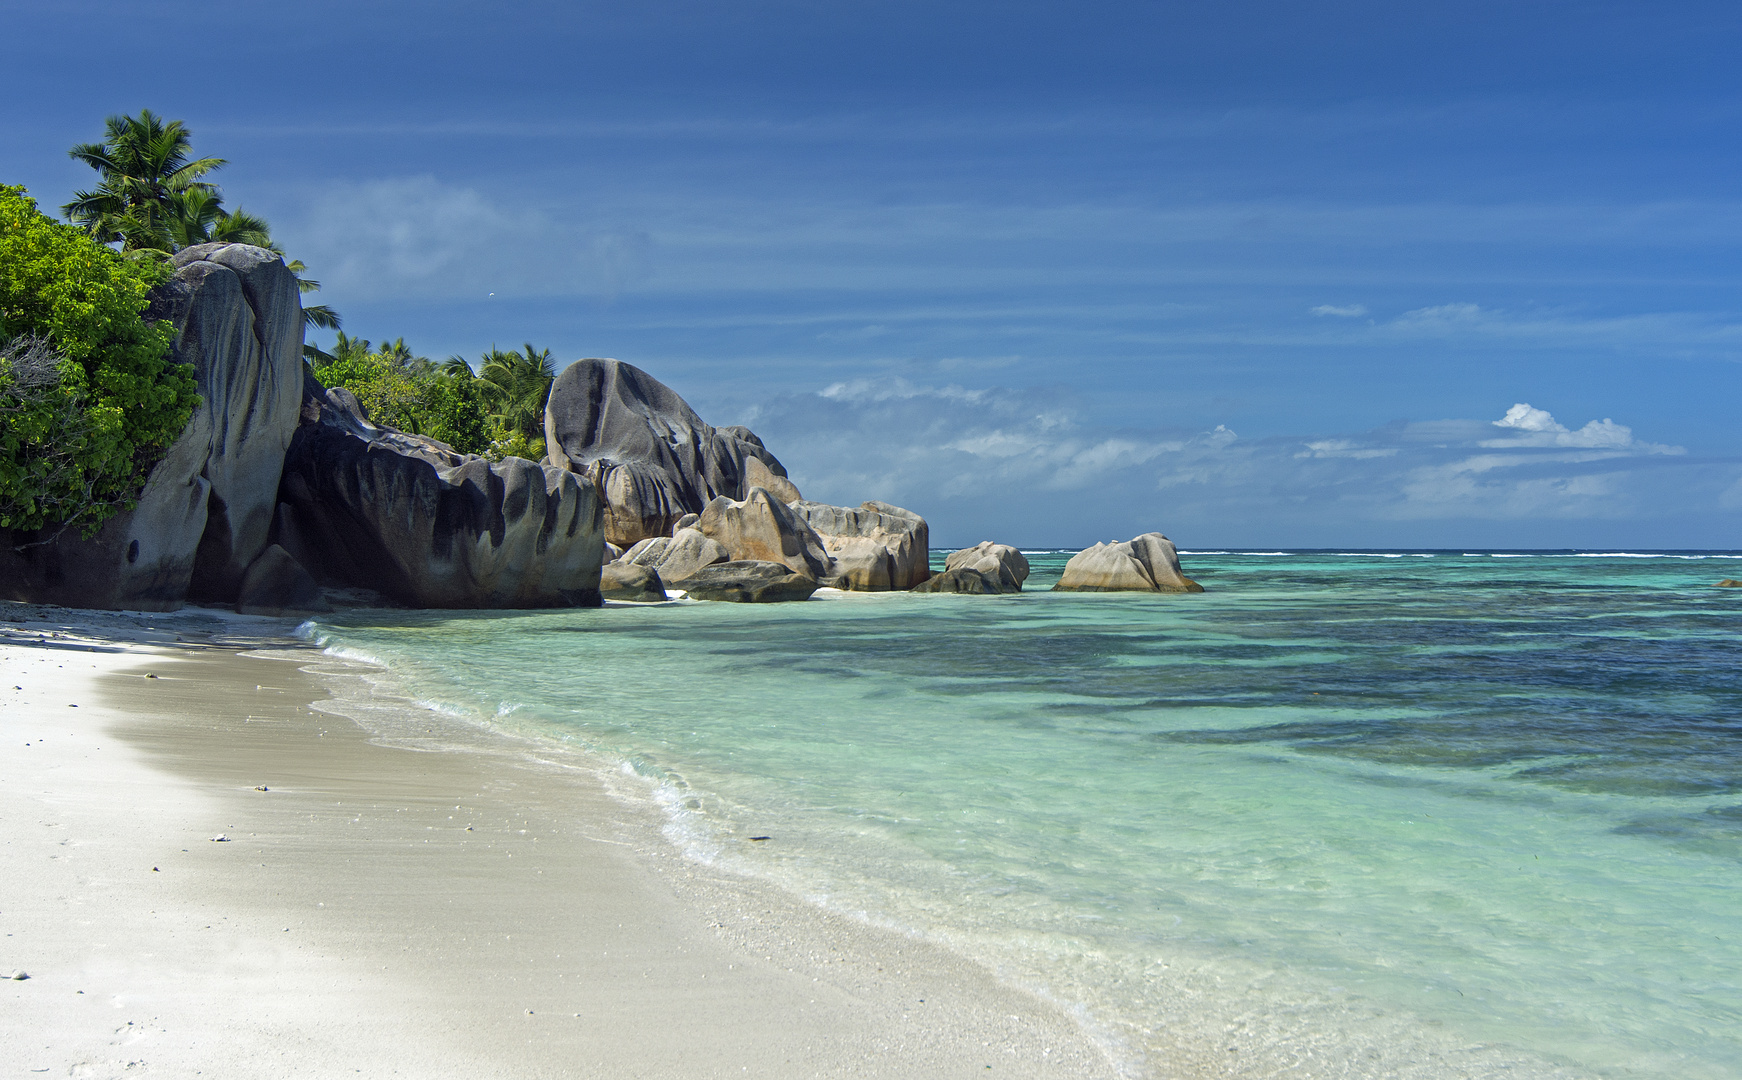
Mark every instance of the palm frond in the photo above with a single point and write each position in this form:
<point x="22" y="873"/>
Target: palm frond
<point x="320" y="315"/>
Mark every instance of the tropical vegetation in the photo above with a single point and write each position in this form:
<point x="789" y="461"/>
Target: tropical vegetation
<point x="496" y="409"/>
<point x="153" y="199"/>
<point x="89" y="397"/>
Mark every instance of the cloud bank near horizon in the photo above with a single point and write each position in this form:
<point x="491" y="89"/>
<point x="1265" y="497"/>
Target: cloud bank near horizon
<point x="973" y="459"/>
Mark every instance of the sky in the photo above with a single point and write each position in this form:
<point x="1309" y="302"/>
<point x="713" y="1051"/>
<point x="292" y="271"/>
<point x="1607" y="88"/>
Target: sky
<point x="1252" y="274"/>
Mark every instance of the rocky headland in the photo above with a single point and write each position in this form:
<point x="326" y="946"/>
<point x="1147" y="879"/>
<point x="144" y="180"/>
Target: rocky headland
<point x="282" y="492"/>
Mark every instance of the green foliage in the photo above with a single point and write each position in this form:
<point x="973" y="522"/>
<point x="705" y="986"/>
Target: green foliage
<point x="146" y="174"/>
<point x="499" y="413"/>
<point x="517" y="386"/>
<point x="151" y="199"/>
<point x="408" y="392"/>
<point x="77" y="448"/>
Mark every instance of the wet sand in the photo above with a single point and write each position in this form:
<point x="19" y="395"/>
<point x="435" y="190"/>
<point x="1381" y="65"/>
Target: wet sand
<point x="450" y="902"/>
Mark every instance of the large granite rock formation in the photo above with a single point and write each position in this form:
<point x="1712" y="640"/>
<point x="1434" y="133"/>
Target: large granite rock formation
<point x="877" y="547"/>
<point x="367" y="506"/>
<point x="1001" y="563"/>
<point x="204" y="514"/>
<point x="747" y="582"/>
<point x="653" y="459"/>
<point x="1146" y="563"/>
<point x="679" y="555"/>
<point x="761" y="528"/>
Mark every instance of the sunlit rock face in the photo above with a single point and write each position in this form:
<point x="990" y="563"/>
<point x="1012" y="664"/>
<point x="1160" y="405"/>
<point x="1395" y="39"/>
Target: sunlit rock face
<point x="761" y="528"/>
<point x="1000" y="563"/>
<point x="1146" y="563"/>
<point x="876" y="546"/>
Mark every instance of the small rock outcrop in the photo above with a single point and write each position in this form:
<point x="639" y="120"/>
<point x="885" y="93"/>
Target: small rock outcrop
<point x="369" y="507"/>
<point x="651" y="457"/>
<point x="963" y="580"/>
<point x="1730" y="583"/>
<point x="677" y="556"/>
<point x="206" y="508"/>
<point x="1146" y="563"/>
<point x="629" y="581"/>
<point x="759" y="475"/>
<point x="876" y="547"/>
<point x="747" y="582"/>
<point x="1001" y="563"/>
<point x="276" y="584"/>
<point x="761" y="528"/>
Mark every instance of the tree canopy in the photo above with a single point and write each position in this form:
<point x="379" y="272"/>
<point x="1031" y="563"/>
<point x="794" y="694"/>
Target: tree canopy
<point x="497" y="410"/>
<point x="88" y="395"/>
<point x="152" y="198"/>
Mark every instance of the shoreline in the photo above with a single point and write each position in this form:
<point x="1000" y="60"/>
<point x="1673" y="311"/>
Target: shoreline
<point x="352" y="920"/>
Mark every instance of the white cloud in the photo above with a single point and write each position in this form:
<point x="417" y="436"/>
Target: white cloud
<point x="1527" y="425"/>
<point x="1348" y="311"/>
<point x="1526" y="418"/>
<point x="994" y="454"/>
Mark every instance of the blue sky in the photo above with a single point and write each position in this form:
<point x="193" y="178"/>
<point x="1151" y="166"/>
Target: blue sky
<point x="1254" y="274"/>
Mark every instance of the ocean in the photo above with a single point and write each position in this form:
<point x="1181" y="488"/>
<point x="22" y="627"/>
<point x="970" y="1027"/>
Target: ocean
<point x="1345" y="814"/>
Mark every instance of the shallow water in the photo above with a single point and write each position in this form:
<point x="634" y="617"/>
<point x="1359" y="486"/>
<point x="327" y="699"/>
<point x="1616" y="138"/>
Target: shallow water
<point x="1344" y="814"/>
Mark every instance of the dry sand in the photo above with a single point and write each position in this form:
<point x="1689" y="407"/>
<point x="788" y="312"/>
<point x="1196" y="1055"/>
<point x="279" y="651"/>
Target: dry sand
<point x="465" y="906"/>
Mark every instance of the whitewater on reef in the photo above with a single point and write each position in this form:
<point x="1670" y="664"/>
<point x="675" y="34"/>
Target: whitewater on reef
<point x="1459" y="814"/>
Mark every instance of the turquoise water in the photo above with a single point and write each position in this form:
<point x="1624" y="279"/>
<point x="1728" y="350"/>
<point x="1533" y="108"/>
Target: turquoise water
<point x="1403" y="814"/>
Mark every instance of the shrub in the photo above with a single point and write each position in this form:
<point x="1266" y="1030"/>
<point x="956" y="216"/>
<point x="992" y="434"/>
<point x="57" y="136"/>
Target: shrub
<point x="77" y="448"/>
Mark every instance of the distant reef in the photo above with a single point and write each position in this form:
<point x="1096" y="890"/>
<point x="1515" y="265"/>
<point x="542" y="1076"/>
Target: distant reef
<point x="281" y="493"/>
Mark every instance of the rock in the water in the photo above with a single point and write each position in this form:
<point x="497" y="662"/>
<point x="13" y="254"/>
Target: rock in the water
<point x="678" y="556"/>
<point x="1147" y="563"/>
<point x="206" y="508"/>
<point x="747" y="582"/>
<point x="629" y="581"/>
<point x="876" y="547"/>
<point x="1000" y="562"/>
<point x="1730" y="583"/>
<point x="406" y="516"/>
<point x="276" y="584"/>
<point x="964" y="579"/>
<point x="762" y="528"/>
<point x="653" y="459"/>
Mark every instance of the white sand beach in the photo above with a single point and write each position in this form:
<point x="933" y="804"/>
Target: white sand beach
<point x="467" y="907"/>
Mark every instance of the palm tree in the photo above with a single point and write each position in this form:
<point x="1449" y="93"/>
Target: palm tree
<point x="518" y="386"/>
<point x="152" y="199"/>
<point x="346" y="348"/>
<point x="143" y="162"/>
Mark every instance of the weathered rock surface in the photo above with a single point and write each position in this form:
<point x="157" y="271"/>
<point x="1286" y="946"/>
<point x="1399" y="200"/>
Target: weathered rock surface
<point x="762" y="528"/>
<point x="1146" y="563"/>
<point x="629" y="581"/>
<point x="206" y="508"/>
<point x="999" y="562"/>
<point x="366" y="506"/>
<point x="747" y="582"/>
<point x="276" y="584"/>
<point x="678" y="556"/>
<point x="652" y="458"/>
<point x="876" y="547"/>
<point x="964" y="579"/>
<point x="759" y="475"/>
